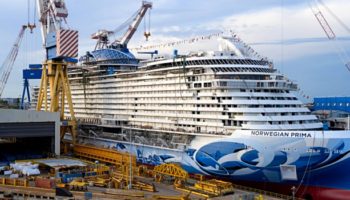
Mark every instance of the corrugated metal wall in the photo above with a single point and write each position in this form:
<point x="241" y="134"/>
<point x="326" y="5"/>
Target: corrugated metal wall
<point x="31" y="129"/>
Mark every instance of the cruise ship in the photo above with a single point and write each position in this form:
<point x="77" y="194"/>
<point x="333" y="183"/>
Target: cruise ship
<point x="226" y="113"/>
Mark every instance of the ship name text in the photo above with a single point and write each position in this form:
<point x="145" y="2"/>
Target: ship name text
<point x="280" y="134"/>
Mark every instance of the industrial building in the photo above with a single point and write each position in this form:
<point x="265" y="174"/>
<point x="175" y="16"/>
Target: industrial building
<point x="28" y="134"/>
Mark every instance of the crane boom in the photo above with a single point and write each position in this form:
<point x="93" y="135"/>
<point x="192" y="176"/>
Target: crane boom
<point x="329" y="31"/>
<point x="7" y="66"/>
<point x="325" y="26"/>
<point x="133" y="27"/>
<point x="102" y="36"/>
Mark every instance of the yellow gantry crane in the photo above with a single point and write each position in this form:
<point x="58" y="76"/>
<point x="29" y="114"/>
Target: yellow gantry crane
<point x="61" y="46"/>
<point x="54" y="81"/>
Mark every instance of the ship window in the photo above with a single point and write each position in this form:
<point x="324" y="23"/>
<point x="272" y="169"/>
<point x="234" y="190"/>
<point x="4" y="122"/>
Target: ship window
<point x="207" y="84"/>
<point x="198" y="85"/>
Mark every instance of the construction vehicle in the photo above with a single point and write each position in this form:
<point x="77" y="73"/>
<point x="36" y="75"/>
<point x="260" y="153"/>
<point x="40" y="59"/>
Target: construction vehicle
<point x="7" y="65"/>
<point x="103" y="36"/>
<point x="61" y="46"/>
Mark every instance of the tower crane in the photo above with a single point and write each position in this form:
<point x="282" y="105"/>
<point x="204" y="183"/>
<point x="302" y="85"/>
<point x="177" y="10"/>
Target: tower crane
<point x="329" y="31"/>
<point x="7" y="66"/>
<point x="61" y="45"/>
<point x="102" y="36"/>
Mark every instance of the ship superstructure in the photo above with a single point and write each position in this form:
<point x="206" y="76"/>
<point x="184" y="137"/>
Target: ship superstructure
<point x="209" y="92"/>
<point x="205" y="93"/>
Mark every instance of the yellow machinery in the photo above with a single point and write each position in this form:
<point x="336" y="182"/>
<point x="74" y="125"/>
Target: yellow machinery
<point x="161" y="197"/>
<point x="78" y="185"/>
<point x="54" y="79"/>
<point x="104" y="155"/>
<point x="121" y="181"/>
<point x="98" y="181"/>
<point x="214" y="187"/>
<point x="170" y="169"/>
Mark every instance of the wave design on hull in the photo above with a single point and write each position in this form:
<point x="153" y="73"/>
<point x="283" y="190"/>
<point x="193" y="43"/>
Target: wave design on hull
<point x="236" y="159"/>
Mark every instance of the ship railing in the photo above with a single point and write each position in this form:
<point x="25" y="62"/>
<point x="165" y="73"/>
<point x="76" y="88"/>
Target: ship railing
<point x="257" y="85"/>
<point x="265" y="192"/>
<point x="176" y="130"/>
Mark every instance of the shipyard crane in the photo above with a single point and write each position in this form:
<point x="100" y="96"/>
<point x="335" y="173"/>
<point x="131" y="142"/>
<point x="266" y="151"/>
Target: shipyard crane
<point x="314" y="5"/>
<point x="61" y="45"/>
<point x="7" y="66"/>
<point x="102" y="36"/>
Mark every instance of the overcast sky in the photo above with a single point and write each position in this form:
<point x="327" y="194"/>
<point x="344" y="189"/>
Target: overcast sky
<point x="285" y="31"/>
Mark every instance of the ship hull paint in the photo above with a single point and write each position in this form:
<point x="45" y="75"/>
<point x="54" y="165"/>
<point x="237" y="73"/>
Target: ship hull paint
<point x="319" y="193"/>
<point x="320" y="159"/>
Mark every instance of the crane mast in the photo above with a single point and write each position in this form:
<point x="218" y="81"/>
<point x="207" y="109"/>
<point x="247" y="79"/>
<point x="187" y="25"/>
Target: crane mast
<point x="7" y="66"/>
<point x="52" y="14"/>
<point x="61" y="45"/>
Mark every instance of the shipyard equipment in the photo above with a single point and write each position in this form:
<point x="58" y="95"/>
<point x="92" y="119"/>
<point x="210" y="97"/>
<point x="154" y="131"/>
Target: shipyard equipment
<point x="170" y="169"/>
<point x="7" y="66"/>
<point x="104" y="155"/>
<point x="102" y="36"/>
<point x="343" y="55"/>
<point x="61" y="47"/>
<point x="34" y="72"/>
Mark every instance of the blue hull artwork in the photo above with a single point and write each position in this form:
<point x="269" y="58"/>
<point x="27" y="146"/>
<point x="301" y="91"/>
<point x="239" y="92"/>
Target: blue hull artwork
<point x="312" y="160"/>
